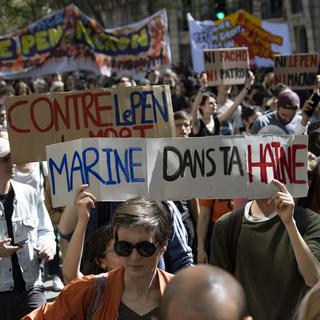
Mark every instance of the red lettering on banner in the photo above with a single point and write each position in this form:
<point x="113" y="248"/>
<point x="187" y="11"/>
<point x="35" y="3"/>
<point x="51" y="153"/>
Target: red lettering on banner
<point x="124" y="132"/>
<point x="100" y="108"/>
<point x="293" y="61"/>
<point x="93" y="102"/>
<point x="282" y="161"/>
<point x="10" y="111"/>
<point x="279" y="78"/>
<point x="33" y="112"/>
<point x="74" y="101"/>
<point x="233" y="55"/>
<point x="211" y="75"/>
<point x="296" y="164"/>
<point x="142" y="128"/>
<point x="303" y="61"/>
<point x="86" y="103"/>
<point x="59" y="114"/>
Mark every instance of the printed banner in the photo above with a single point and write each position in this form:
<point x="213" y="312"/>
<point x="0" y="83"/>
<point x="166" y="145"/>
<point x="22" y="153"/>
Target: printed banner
<point x="226" y="66"/>
<point x="216" y="167"/>
<point x="298" y="71"/>
<point x="38" y="120"/>
<point x="263" y="39"/>
<point x="68" y="40"/>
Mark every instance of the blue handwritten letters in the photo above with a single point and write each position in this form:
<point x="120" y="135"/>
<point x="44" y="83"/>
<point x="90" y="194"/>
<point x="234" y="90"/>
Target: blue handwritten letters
<point x="113" y="163"/>
<point x="215" y="167"/>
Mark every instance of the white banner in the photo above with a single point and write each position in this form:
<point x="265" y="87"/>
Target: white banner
<point x="226" y="66"/>
<point x="298" y="71"/>
<point x="174" y="168"/>
<point x="263" y="39"/>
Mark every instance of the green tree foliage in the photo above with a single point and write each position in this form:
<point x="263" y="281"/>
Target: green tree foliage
<point x="17" y="14"/>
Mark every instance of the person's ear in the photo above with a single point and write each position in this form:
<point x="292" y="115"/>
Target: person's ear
<point x="164" y="248"/>
<point x="100" y="263"/>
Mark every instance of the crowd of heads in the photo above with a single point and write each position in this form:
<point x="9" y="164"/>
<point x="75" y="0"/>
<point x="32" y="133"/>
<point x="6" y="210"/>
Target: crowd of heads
<point x="140" y="229"/>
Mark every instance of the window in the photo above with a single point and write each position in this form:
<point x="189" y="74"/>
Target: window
<point x="296" y="6"/>
<point x="301" y="39"/>
<point x="271" y="9"/>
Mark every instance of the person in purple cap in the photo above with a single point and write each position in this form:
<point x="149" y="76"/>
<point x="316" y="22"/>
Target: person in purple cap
<point x="286" y="116"/>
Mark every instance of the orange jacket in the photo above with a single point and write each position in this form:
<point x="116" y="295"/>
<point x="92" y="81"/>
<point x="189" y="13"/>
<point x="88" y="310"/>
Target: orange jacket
<point x="73" y="302"/>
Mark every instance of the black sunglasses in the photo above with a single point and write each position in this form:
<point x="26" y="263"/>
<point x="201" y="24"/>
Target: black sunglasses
<point x="125" y="248"/>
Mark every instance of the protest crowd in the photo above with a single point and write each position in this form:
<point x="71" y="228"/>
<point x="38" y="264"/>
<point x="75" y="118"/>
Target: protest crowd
<point x="215" y="258"/>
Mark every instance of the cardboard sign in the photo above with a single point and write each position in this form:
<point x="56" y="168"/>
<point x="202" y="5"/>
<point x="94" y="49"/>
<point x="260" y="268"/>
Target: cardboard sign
<point x="174" y="169"/>
<point x="68" y="40"/>
<point x="226" y="66"/>
<point x="298" y="71"/>
<point x="239" y="29"/>
<point x="38" y="120"/>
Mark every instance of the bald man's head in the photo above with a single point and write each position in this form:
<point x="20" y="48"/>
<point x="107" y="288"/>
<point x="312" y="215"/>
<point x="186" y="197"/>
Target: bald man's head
<point x="203" y="292"/>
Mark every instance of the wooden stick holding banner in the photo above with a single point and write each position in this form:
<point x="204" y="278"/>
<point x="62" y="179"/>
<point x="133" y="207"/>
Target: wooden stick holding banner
<point x="226" y="66"/>
<point x="175" y="169"/>
<point x="39" y="120"/>
<point x="298" y="71"/>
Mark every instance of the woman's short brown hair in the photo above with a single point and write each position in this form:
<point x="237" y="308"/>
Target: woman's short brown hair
<point x="141" y="213"/>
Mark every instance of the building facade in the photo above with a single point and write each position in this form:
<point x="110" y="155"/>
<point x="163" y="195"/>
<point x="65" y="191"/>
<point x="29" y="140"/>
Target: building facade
<point x="300" y="15"/>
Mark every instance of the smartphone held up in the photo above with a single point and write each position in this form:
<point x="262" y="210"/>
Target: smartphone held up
<point x="315" y="98"/>
<point x="21" y="243"/>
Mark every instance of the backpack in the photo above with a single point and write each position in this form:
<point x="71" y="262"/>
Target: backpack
<point x="234" y="228"/>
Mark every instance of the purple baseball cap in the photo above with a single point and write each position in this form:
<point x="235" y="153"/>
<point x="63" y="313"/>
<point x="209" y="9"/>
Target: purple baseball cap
<point x="288" y="99"/>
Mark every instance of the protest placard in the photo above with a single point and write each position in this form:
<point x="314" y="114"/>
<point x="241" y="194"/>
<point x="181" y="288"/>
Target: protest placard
<point x="263" y="39"/>
<point x="68" y="40"/>
<point x="298" y="71"/>
<point x="38" y="120"/>
<point x="217" y="167"/>
<point x="226" y="66"/>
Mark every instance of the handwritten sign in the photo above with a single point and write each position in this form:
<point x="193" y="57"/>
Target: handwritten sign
<point x="298" y="71"/>
<point x="226" y="66"/>
<point x="38" y="120"/>
<point x="162" y="169"/>
<point x="239" y="29"/>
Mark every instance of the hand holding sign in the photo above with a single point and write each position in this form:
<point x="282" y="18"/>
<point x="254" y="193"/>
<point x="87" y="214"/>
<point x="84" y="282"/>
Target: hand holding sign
<point x="283" y="202"/>
<point x="203" y="81"/>
<point x="249" y="80"/>
<point x="83" y="202"/>
<point x="318" y="81"/>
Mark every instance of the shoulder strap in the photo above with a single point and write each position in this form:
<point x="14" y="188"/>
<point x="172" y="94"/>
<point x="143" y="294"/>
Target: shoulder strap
<point x="98" y="292"/>
<point x="233" y="233"/>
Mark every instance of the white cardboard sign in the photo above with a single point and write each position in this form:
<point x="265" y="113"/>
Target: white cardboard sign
<point x="226" y="66"/>
<point x="214" y="167"/>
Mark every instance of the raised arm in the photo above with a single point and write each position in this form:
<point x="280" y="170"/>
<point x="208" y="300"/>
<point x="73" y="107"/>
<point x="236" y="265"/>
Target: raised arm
<point x="306" y="108"/>
<point x="202" y="228"/>
<point x="196" y="104"/>
<point x="83" y="202"/>
<point x="248" y="83"/>
<point x="308" y="265"/>
<point x="68" y="220"/>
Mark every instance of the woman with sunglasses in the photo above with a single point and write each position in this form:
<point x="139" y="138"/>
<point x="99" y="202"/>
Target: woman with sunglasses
<point x="141" y="230"/>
